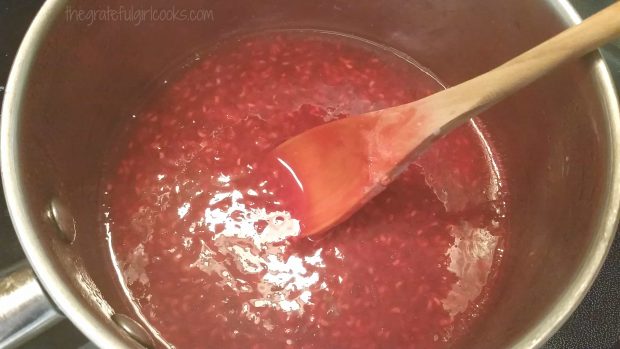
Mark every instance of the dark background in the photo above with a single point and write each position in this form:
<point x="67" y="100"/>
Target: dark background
<point x="595" y="324"/>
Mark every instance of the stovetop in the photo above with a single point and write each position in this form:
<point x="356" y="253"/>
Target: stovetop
<point x="594" y="325"/>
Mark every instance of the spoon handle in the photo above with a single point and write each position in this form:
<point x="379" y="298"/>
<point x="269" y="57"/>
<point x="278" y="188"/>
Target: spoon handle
<point x="451" y="107"/>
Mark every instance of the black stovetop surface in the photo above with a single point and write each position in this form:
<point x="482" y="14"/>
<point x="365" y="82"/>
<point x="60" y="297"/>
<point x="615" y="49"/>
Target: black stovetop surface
<point x="594" y="325"/>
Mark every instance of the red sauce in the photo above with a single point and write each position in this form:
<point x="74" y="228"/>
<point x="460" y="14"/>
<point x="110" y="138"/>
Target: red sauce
<point x="202" y="239"/>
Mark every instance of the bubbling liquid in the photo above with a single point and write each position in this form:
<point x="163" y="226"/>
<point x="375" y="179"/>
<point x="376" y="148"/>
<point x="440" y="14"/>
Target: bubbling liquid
<point x="209" y="253"/>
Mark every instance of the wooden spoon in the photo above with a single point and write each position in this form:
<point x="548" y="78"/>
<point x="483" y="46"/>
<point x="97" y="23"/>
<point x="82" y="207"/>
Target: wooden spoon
<point x="341" y="165"/>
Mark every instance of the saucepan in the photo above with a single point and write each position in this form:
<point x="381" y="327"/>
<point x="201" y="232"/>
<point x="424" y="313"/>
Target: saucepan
<point x="74" y="78"/>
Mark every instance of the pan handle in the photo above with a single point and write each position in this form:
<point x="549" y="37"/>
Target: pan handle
<point x="25" y="310"/>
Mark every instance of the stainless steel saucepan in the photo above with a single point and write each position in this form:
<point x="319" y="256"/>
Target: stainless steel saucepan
<point x="74" y="81"/>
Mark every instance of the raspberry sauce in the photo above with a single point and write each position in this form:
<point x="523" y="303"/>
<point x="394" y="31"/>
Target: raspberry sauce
<point x="210" y="254"/>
